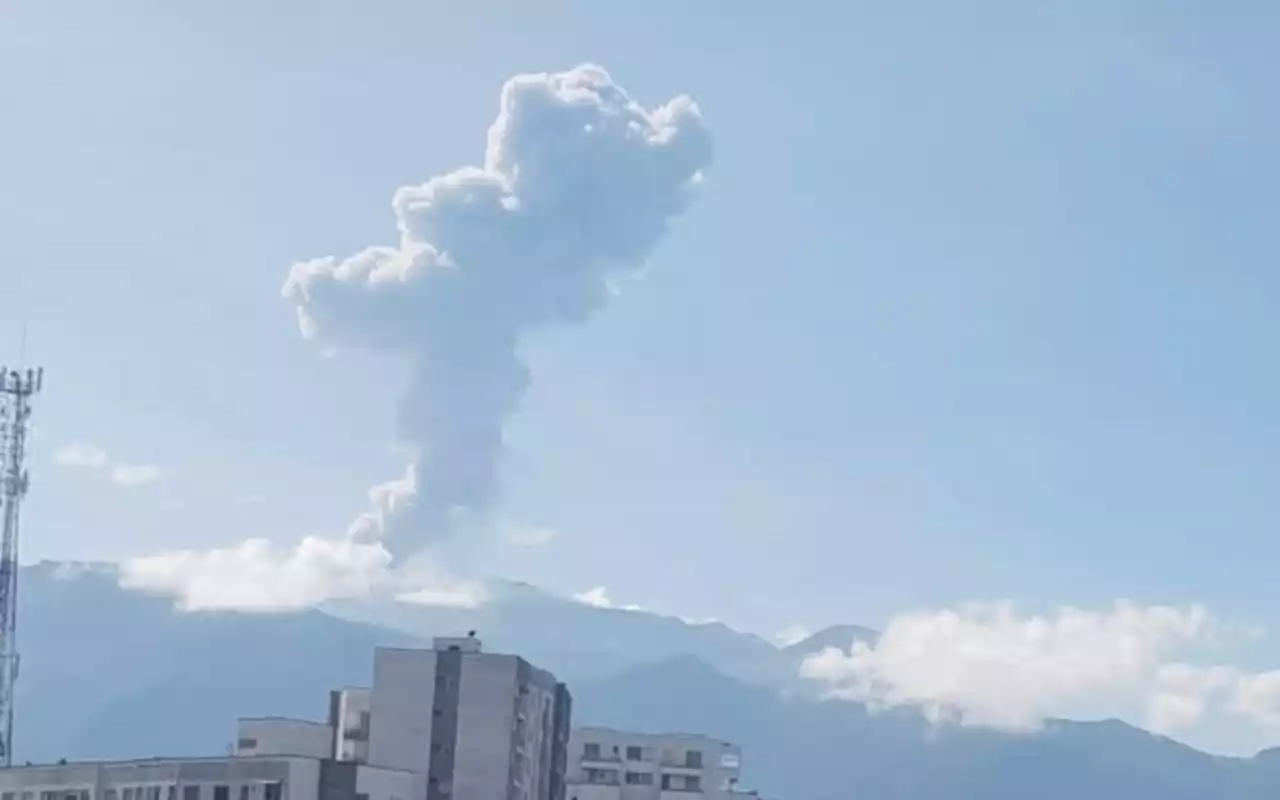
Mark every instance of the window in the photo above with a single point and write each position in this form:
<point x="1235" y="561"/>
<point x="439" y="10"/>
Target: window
<point x="128" y="794"/>
<point x="591" y="750"/>
<point x="693" y="783"/>
<point x="188" y="793"/>
<point x="222" y="792"/>
<point x="605" y="777"/>
<point x="272" y="791"/>
<point x="6" y="796"/>
<point x="244" y="791"/>
<point x="170" y="792"/>
<point x="247" y="743"/>
<point x="635" y="753"/>
<point x="693" y="759"/>
<point x="666" y="782"/>
<point x="639" y="778"/>
<point x="153" y="793"/>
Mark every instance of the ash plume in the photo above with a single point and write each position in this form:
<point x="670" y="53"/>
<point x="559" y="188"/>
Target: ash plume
<point x="579" y="184"/>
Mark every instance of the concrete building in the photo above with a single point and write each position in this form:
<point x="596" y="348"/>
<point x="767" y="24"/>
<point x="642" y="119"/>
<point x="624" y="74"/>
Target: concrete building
<point x="474" y="725"/>
<point x="451" y="723"/>
<point x="606" y="764"/>
<point x="349" y="718"/>
<point x="278" y="736"/>
<point x="228" y="778"/>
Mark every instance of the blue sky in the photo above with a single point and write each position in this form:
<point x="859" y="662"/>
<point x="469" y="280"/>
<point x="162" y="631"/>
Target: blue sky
<point x="976" y="304"/>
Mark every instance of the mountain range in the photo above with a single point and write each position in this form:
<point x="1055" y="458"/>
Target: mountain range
<point x="108" y="673"/>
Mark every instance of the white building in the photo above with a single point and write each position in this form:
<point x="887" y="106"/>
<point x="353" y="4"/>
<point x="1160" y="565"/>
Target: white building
<point x="349" y="711"/>
<point x="451" y="723"/>
<point x="227" y="778"/>
<point x="475" y="725"/>
<point x="279" y="736"/>
<point x="606" y="764"/>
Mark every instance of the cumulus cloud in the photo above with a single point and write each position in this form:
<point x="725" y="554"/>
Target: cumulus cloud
<point x="258" y="575"/>
<point x="447" y="593"/>
<point x="792" y="634"/>
<point x="598" y="597"/>
<point x="578" y="185"/>
<point x="134" y="474"/>
<point x="987" y="665"/>
<point x="529" y="535"/>
<point x="82" y="455"/>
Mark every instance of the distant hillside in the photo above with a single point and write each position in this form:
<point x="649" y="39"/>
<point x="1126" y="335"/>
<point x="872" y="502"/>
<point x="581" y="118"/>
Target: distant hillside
<point x="835" y="751"/>
<point x="108" y="673"/>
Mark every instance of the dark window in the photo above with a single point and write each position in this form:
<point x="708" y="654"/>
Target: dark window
<point x="189" y="793"/>
<point x="222" y="792"/>
<point x="693" y="783"/>
<point x="591" y="750"/>
<point x="272" y="791"/>
<point x="639" y="778"/>
<point x="247" y="743"/>
<point x="244" y="791"/>
<point x="128" y="794"/>
<point x="170" y="792"/>
<point x="666" y="782"/>
<point x="635" y="753"/>
<point x="693" y="759"/>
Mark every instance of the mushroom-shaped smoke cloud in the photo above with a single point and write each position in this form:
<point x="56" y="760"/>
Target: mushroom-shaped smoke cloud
<point x="578" y="185"/>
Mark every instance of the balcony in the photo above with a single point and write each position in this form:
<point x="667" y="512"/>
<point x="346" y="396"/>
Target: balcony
<point x="608" y="759"/>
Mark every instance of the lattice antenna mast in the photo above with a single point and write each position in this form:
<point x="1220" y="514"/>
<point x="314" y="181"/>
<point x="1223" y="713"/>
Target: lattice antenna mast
<point x="16" y="390"/>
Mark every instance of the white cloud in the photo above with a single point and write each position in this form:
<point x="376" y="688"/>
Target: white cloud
<point x="791" y="635"/>
<point x="257" y="575"/>
<point x="134" y="474"/>
<point x="529" y="535"/>
<point x="81" y="454"/>
<point x="445" y="594"/>
<point x="598" y="596"/>
<point x="987" y="665"/>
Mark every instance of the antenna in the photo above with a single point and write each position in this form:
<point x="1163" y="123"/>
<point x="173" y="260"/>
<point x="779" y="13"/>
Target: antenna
<point x="16" y="389"/>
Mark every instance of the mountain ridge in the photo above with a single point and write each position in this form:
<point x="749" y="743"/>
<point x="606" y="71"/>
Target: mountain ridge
<point x="111" y="673"/>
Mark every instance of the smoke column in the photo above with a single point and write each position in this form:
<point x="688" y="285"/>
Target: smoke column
<point x="579" y="184"/>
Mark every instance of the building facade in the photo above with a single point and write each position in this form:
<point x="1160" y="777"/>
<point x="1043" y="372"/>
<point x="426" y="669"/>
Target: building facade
<point x="607" y="764"/>
<point x="279" y="736"/>
<point x="474" y="725"/>
<point x="450" y="723"/>
<point x="231" y="778"/>
<point x="349" y="718"/>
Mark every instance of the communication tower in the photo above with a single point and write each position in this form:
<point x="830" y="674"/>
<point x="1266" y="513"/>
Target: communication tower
<point x="16" y="390"/>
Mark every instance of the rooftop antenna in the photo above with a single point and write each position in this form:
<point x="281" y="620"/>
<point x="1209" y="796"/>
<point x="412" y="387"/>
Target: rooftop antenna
<point x="17" y="386"/>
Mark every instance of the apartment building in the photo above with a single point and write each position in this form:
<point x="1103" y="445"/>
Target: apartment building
<point x="475" y="725"/>
<point x="349" y="718"/>
<point x="227" y="778"/>
<point x="450" y="723"/>
<point x="607" y="764"/>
